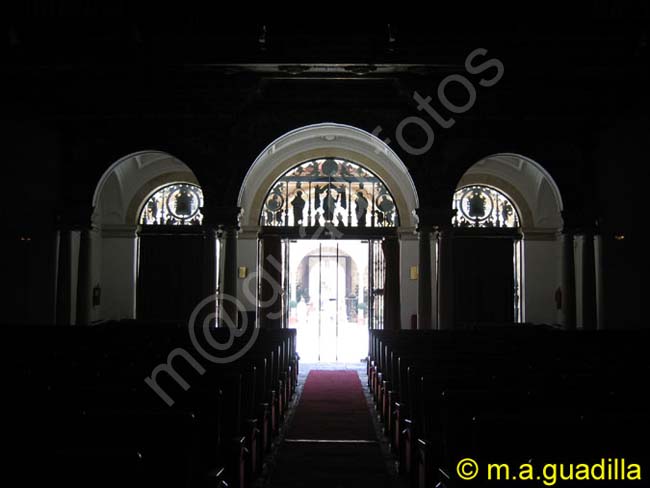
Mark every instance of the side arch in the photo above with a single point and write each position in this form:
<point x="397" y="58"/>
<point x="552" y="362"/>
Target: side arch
<point x="118" y="198"/>
<point x="125" y="185"/>
<point x="537" y="197"/>
<point x="530" y="186"/>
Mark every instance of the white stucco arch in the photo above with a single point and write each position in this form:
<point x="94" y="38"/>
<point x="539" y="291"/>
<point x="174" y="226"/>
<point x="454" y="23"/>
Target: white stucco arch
<point x="539" y="202"/>
<point x="331" y="140"/>
<point x="117" y="201"/>
<point x="127" y="182"/>
<point x="326" y="140"/>
<point x="532" y="189"/>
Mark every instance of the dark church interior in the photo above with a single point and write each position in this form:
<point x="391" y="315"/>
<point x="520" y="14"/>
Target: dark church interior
<point x="347" y="254"/>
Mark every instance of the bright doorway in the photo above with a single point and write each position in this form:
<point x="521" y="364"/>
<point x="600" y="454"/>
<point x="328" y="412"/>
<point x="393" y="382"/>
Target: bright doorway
<point x="332" y="295"/>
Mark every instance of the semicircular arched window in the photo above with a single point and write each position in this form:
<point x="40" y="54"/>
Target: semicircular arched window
<point x="329" y="191"/>
<point x="175" y="204"/>
<point x="483" y="206"/>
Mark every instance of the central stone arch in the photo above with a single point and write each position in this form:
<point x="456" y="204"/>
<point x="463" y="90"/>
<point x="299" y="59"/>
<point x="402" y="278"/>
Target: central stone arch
<point x="327" y="140"/>
<point x="331" y="140"/>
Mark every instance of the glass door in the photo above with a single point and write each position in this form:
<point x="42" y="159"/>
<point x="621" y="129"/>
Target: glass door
<point x="330" y="290"/>
<point x="328" y="286"/>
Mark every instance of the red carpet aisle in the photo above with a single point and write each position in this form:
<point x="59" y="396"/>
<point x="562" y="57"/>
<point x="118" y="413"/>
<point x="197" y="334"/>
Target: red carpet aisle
<point x="332" y="406"/>
<point x="331" y="441"/>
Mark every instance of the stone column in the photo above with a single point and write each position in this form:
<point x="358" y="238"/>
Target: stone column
<point x="568" y="288"/>
<point x="64" y="279"/>
<point x="84" y="280"/>
<point x="409" y="244"/>
<point x="119" y="264"/>
<point x="589" y="315"/>
<point x="424" y="279"/>
<point x="601" y="256"/>
<point x="390" y="246"/>
<point x="226" y="220"/>
<point x="229" y="312"/>
<point x="210" y="275"/>
<point x="271" y="290"/>
<point x="445" y="278"/>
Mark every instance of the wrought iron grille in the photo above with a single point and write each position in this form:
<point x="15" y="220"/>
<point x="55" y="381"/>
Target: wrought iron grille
<point x="176" y="204"/>
<point x="329" y="191"/>
<point x="483" y="206"/>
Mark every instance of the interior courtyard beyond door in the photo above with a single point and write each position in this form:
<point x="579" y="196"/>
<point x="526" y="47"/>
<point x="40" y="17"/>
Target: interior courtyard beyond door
<point x="331" y="295"/>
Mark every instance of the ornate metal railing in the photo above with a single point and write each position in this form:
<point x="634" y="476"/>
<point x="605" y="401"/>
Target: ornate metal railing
<point x="329" y="191"/>
<point x="483" y="206"/>
<point x="175" y="204"/>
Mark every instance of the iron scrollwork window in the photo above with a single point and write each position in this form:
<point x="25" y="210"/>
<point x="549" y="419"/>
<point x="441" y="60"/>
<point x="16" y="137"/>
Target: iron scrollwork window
<point x="329" y="191"/>
<point x="483" y="206"/>
<point x="176" y="204"/>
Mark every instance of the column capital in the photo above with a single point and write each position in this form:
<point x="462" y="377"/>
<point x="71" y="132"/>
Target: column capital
<point x="249" y="232"/>
<point x="210" y="231"/>
<point x="75" y="217"/>
<point x="430" y="217"/>
<point x="407" y="233"/>
<point x="218" y="216"/>
<point x="446" y="232"/>
<point x="391" y="238"/>
<point x="119" y="231"/>
<point x="537" y="234"/>
<point x="579" y="223"/>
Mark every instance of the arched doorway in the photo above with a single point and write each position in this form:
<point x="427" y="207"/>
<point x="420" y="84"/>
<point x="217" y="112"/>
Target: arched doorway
<point x="140" y="201"/>
<point x="328" y="298"/>
<point x="170" y="253"/>
<point x="487" y="256"/>
<point x="332" y="216"/>
<point x="330" y="200"/>
<point x="534" y="226"/>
